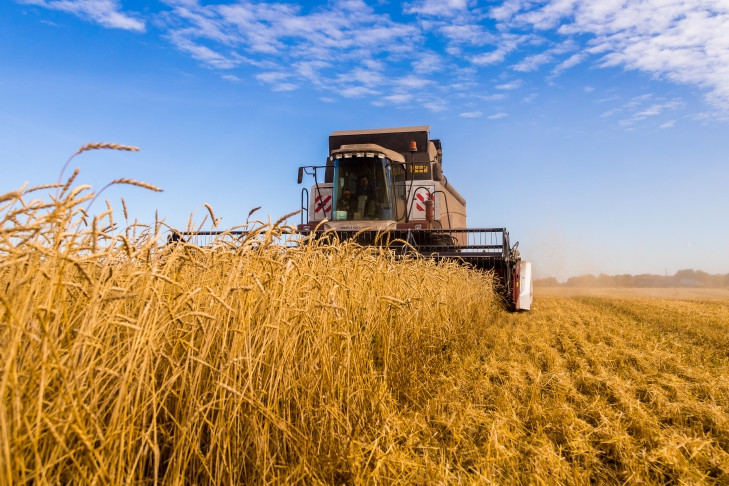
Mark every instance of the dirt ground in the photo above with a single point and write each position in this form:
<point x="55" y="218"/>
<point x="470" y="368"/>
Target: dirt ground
<point x="667" y="293"/>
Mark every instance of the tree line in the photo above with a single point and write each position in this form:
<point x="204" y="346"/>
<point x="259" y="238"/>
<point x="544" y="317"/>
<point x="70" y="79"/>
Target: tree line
<point x="682" y="278"/>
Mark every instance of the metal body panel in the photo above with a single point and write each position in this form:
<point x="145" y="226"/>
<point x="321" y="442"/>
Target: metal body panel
<point x="525" y="290"/>
<point x="369" y="147"/>
<point x="417" y="193"/>
<point x="396" y="139"/>
<point x="454" y="207"/>
<point x="320" y="202"/>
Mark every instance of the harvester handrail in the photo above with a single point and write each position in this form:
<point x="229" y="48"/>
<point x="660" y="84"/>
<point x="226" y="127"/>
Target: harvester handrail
<point x="304" y="204"/>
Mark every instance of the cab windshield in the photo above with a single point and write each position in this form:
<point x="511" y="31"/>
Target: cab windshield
<point x="361" y="188"/>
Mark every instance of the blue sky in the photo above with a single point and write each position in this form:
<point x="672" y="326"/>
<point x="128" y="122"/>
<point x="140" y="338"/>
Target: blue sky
<point x="596" y="132"/>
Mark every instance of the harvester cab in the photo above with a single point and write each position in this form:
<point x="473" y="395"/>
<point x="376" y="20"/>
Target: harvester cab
<point x="382" y="180"/>
<point x="390" y="182"/>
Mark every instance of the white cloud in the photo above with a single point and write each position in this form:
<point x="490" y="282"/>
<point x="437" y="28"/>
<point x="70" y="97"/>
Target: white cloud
<point x="472" y="34"/>
<point x="680" y="41"/>
<point x="533" y="62"/>
<point x="343" y="47"/>
<point x="508" y="9"/>
<point x="285" y="87"/>
<point x="357" y="92"/>
<point x="436" y="106"/>
<point x="437" y="8"/>
<point x="429" y="63"/>
<point x="491" y="97"/>
<point x="362" y="76"/>
<point x="506" y="43"/>
<point x="311" y="70"/>
<point x="471" y="114"/>
<point x="105" y="12"/>
<point x="205" y="54"/>
<point x="510" y="85"/>
<point x="413" y="82"/>
<point x="497" y="116"/>
<point x="272" y="77"/>
<point x="668" y="124"/>
<point x="373" y="64"/>
<point x="643" y="107"/>
<point x="570" y="62"/>
<point x="352" y="48"/>
<point x="279" y="81"/>
<point x="399" y="99"/>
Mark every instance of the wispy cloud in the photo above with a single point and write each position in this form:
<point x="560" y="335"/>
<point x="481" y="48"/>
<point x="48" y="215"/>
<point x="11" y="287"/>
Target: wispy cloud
<point x="510" y="85"/>
<point x="104" y="12"/>
<point x="490" y="97"/>
<point x="568" y="63"/>
<point x="684" y="42"/>
<point x="353" y="48"/>
<point x="285" y="87"/>
<point x="357" y="92"/>
<point x="295" y="46"/>
<point x="645" y="107"/>
<point x="205" y="54"/>
<point x="497" y="116"/>
<point x="399" y="98"/>
<point x="651" y="111"/>
<point x="436" y="106"/>
<point x="532" y="63"/>
<point x="471" y="114"/>
<point x="447" y="8"/>
<point x="505" y="44"/>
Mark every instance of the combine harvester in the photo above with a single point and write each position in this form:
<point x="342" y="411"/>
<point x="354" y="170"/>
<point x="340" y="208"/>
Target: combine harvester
<point x="386" y="186"/>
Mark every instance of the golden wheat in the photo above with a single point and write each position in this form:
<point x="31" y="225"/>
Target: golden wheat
<point x="249" y="361"/>
<point x="87" y="147"/>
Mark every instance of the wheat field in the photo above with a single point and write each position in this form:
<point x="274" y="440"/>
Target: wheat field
<point x="245" y="361"/>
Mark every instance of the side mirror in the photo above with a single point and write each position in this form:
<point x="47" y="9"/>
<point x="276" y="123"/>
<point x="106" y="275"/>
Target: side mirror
<point x="301" y="174"/>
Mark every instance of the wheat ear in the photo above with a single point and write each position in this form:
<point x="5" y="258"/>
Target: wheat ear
<point x="216" y="221"/>
<point x="134" y="182"/>
<point x="131" y="182"/>
<point x="106" y="145"/>
<point x="95" y="146"/>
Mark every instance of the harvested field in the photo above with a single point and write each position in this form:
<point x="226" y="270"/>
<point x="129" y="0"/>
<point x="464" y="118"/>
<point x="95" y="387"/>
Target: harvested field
<point x="128" y="361"/>
<point x="691" y="293"/>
